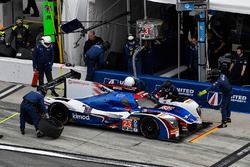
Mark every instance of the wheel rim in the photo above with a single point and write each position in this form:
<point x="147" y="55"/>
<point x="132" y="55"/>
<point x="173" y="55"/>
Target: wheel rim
<point x="59" y="113"/>
<point x="149" y="128"/>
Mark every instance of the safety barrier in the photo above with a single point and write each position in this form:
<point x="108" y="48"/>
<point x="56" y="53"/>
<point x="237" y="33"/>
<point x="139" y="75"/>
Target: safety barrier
<point x="239" y="99"/>
<point x="21" y="71"/>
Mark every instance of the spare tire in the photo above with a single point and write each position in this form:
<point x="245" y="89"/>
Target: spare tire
<point x="51" y="127"/>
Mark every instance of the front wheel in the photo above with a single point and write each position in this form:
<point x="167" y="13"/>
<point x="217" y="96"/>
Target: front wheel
<point x="149" y="128"/>
<point x="59" y="112"/>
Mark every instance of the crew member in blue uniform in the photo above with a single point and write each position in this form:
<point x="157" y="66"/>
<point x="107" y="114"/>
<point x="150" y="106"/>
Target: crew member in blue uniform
<point x="167" y="90"/>
<point x="43" y="58"/>
<point x="134" y="82"/>
<point x="32" y="102"/>
<point x="95" y="58"/>
<point x="225" y="87"/>
<point x="20" y="32"/>
<point x="192" y="58"/>
<point x="128" y="50"/>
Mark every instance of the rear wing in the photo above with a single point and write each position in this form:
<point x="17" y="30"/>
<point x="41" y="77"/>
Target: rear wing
<point x="62" y="79"/>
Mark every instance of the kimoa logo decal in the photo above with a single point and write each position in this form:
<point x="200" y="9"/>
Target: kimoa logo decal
<point x="82" y="117"/>
<point x="214" y="98"/>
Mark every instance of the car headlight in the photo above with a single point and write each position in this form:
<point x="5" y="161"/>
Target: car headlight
<point x="173" y="122"/>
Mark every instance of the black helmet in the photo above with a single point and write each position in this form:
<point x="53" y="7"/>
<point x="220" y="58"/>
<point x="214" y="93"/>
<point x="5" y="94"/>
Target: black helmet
<point x="106" y="45"/>
<point x="42" y="90"/>
<point x="167" y="84"/>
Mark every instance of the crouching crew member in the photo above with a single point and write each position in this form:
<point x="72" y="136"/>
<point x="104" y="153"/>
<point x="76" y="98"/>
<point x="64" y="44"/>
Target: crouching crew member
<point x="167" y="90"/>
<point x="32" y="102"/>
<point x="134" y="82"/>
<point x="95" y="58"/>
<point x="225" y="87"/>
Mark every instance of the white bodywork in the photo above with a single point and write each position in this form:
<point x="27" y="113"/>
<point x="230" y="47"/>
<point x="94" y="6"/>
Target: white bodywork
<point x="189" y="104"/>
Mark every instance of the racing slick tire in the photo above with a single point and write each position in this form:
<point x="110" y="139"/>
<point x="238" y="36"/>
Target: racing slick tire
<point x="59" y="112"/>
<point x="149" y="128"/>
<point x="192" y="127"/>
<point x="51" y="127"/>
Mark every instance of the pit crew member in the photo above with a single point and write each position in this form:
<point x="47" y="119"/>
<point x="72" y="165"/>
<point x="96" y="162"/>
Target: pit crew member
<point x="225" y="87"/>
<point x="167" y="90"/>
<point x="95" y="57"/>
<point x="32" y="102"/>
<point x="134" y="82"/>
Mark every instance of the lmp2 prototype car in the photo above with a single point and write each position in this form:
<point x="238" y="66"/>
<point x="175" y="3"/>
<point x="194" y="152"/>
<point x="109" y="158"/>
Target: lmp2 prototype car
<point x="90" y="103"/>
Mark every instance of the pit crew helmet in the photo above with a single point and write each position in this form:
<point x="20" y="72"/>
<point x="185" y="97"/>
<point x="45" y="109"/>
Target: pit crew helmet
<point x="131" y="39"/>
<point x="46" y="41"/>
<point x="167" y="84"/>
<point x="129" y="81"/>
<point x="42" y="90"/>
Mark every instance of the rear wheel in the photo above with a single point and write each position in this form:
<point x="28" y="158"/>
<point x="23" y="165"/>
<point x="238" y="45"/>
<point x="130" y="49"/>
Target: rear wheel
<point x="149" y="128"/>
<point x="59" y="112"/>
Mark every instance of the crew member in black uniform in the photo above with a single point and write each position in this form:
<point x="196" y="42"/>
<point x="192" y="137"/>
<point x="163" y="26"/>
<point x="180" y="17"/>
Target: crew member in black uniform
<point x="238" y="68"/>
<point x="167" y="90"/>
<point x="20" y="32"/>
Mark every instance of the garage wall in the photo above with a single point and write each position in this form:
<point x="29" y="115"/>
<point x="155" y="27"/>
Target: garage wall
<point x="116" y="32"/>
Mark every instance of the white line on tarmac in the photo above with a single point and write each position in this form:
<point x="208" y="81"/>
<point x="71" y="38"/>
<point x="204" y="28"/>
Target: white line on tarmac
<point x="58" y="155"/>
<point x="10" y="90"/>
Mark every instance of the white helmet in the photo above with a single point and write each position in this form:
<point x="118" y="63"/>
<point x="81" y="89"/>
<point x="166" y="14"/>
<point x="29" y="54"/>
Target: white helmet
<point x="46" y="41"/>
<point x="131" y="39"/>
<point x="129" y="81"/>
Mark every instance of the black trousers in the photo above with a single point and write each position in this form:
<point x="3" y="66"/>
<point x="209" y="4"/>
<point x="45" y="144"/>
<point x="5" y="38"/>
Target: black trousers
<point x="32" y="4"/>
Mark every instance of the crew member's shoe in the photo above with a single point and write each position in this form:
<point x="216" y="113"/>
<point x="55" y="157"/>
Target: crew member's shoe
<point x="22" y="132"/>
<point x="229" y="120"/>
<point x="223" y="125"/>
<point x="39" y="134"/>
<point x="26" y="11"/>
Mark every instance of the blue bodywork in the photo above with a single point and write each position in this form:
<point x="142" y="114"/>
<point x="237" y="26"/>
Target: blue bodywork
<point x="117" y="101"/>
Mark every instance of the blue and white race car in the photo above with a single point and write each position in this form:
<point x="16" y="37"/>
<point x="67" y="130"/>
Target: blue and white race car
<point x="90" y="103"/>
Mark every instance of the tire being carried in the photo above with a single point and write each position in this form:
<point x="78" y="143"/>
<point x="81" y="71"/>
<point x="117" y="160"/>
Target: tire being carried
<point x="51" y="127"/>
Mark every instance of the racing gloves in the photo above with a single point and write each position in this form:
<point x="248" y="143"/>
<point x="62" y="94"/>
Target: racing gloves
<point x="201" y="93"/>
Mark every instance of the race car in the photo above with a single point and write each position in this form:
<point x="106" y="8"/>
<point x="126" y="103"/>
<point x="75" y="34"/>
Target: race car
<point x="90" y="103"/>
<point x="182" y="102"/>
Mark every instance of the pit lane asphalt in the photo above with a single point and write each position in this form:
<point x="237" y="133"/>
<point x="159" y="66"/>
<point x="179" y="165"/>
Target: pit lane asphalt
<point x="125" y="146"/>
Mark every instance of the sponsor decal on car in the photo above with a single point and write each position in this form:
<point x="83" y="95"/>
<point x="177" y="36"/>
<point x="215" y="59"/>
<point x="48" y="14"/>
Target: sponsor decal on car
<point x="167" y="108"/>
<point x="112" y="81"/>
<point x="127" y="125"/>
<point x="81" y="117"/>
<point x="77" y="82"/>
